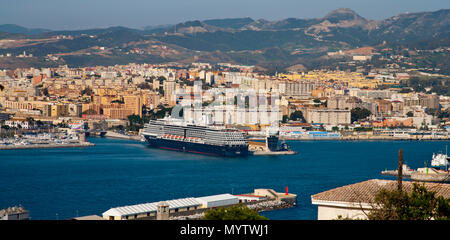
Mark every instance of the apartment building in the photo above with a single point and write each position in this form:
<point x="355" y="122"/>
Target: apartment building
<point x="328" y="116"/>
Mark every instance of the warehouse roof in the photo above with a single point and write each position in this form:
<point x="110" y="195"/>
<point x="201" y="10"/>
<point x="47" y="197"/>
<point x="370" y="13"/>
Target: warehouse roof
<point x="215" y="198"/>
<point x="364" y="192"/>
<point x="150" y="207"/>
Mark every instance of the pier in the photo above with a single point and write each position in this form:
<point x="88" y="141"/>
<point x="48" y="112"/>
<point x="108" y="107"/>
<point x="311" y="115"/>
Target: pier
<point x="264" y="153"/>
<point x="46" y="142"/>
<point x="406" y="172"/>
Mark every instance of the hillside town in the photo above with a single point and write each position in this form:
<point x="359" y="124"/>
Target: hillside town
<point x="317" y="104"/>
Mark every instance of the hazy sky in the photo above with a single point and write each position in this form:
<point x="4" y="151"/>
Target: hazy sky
<point x="82" y="14"/>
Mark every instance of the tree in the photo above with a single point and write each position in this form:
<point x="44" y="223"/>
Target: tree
<point x="144" y="86"/>
<point x="420" y="204"/>
<point x="87" y="91"/>
<point x="444" y="114"/>
<point x="433" y="111"/>
<point x="405" y="90"/>
<point x="359" y="113"/>
<point x="297" y="115"/>
<point x="118" y="101"/>
<point x="236" y="212"/>
<point x="135" y="119"/>
<point x="31" y="120"/>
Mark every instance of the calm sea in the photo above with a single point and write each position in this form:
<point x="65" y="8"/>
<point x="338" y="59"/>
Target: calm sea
<point x="65" y="183"/>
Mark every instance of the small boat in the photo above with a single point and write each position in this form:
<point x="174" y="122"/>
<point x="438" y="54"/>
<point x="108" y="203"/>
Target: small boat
<point x="406" y="171"/>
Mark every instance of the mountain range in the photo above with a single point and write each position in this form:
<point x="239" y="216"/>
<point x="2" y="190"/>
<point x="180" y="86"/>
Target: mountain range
<point x="241" y="40"/>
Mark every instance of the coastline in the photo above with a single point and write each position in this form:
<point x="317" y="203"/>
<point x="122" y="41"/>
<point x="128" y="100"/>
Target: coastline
<point x="356" y="139"/>
<point x="110" y="134"/>
<point x="37" y="146"/>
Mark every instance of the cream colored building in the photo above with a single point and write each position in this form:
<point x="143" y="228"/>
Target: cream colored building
<point x="328" y="116"/>
<point x="355" y="201"/>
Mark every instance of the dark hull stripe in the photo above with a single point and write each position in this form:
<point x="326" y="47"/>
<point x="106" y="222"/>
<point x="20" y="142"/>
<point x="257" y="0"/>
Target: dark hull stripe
<point x="174" y="149"/>
<point x="197" y="148"/>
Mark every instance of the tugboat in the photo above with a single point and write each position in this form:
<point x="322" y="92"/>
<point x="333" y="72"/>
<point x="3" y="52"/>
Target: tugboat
<point x="438" y="171"/>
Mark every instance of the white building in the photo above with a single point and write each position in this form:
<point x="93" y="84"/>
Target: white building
<point x="355" y="201"/>
<point x="328" y="116"/>
<point x="106" y="75"/>
<point x="230" y="114"/>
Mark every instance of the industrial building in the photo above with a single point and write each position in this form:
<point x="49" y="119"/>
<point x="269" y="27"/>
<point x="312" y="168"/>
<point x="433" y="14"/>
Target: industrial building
<point x="14" y="213"/>
<point x="328" y="116"/>
<point x="155" y="209"/>
<point x="356" y="200"/>
<point x="177" y="205"/>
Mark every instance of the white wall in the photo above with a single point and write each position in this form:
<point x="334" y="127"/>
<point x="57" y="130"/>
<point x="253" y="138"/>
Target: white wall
<point x="331" y="213"/>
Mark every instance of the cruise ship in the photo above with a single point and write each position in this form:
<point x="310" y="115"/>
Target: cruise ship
<point x="177" y="135"/>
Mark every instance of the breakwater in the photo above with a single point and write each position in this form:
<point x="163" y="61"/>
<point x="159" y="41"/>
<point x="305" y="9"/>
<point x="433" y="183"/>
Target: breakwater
<point x="127" y="172"/>
<point x="259" y="206"/>
<point x="111" y="134"/>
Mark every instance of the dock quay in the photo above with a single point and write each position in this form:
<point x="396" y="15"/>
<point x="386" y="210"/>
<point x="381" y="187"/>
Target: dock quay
<point x="52" y="145"/>
<point x="260" y="206"/>
<point x="261" y="153"/>
<point x="194" y="208"/>
<point x="264" y="148"/>
<point x="430" y="175"/>
<point x="394" y="173"/>
<point x="406" y="171"/>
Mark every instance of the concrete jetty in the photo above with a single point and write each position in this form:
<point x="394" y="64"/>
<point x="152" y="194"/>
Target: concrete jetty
<point x="405" y="170"/>
<point x="111" y="134"/>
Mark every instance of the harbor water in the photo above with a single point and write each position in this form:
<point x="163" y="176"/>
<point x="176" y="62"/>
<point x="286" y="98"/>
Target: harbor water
<point x="69" y="182"/>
